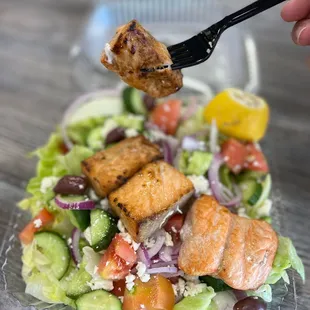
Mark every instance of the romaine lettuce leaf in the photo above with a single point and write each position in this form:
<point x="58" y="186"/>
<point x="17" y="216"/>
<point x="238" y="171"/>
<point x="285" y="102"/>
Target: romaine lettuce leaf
<point x="286" y="258"/>
<point x="263" y="292"/>
<point x="201" y="301"/>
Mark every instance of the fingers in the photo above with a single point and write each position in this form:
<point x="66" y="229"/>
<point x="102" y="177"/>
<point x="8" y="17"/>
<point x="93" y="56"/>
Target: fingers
<point x="301" y="32"/>
<point x="296" y="10"/>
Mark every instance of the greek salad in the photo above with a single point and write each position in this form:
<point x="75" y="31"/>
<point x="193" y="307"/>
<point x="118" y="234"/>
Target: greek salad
<point x="142" y="203"/>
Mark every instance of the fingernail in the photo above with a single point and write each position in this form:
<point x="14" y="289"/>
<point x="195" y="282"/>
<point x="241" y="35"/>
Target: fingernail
<point x="303" y="36"/>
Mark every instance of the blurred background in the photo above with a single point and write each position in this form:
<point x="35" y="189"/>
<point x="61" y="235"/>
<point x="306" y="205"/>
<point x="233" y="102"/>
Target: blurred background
<point x="49" y="54"/>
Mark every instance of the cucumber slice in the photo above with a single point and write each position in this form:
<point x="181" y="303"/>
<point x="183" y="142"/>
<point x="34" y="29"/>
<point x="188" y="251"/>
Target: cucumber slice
<point x="250" y="175"/>
<point x="78" y="283"/>
<point x="251" y="191"/>
<point x="79" y="218"/>
<point x="102" y="229"/>
<point x="133" y="101"/>
<point x="56" y="250"/>
<point x="225" y="177"/>
<point x="265" y="192"/>
<point x="98" y="300"/>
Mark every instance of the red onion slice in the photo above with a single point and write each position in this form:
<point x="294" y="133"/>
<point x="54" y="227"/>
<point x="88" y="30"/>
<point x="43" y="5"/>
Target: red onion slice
<point x="222" y="194"/>
<point x="165" y="254"/>
<point x="167" y="151"/>
<point x="180" y="273"/>
<point x="86" y="204"/>
<point x="164" y="264"/>
<point x="143" y="256"/>
<point x="162" y="270"/>
<point x="75" y="250"/>
<point x="190" y="143"/>
<point x="159" y="242"/>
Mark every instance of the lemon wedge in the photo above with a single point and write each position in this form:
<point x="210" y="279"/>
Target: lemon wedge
<point x="239" y="114"/>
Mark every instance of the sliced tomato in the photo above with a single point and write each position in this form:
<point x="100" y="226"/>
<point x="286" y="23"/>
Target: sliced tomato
<point x="255" y="159"/>
<point x="235" y="154"/>
<point x="117" y="260"/>
<point x="167" y="115"/>
<point x="156" y="294"/>
<point x="119" y="288"/>
<point x="174" y="226"/>
<point x="37" y="223"/>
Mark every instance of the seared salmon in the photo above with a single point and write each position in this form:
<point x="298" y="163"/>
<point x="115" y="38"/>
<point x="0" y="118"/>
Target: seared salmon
<point x="109" y="169"/>
<point x="133" y="48"/>
<point x="238" y="250"/>
<point x="150" y="197"/>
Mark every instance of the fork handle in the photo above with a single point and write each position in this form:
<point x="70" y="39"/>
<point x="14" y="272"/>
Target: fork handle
<point x="248" y="12"/>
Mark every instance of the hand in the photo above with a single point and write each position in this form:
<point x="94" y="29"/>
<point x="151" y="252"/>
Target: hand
<point x="298" y="11"/>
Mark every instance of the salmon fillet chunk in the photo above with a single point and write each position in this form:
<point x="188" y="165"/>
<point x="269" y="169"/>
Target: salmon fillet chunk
<point x="133" y="48"/>
<point x="109" y="169"/>
<point x="149" y="198"/>
<point x="238" y="250"/>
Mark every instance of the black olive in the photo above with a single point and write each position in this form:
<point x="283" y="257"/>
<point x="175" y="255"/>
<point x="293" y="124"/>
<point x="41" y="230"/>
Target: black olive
<point x="251" y="303"/>
<point x="149" y="102"/>
<point x="71" y="185"/>
<point x="115" y="135"/>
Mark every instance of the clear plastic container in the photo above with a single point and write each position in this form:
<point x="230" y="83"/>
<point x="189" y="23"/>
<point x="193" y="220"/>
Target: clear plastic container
<point x="233" y="64"/>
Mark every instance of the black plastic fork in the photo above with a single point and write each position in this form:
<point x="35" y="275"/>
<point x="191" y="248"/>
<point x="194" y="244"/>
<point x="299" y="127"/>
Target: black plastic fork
<point x="200" y="47"/>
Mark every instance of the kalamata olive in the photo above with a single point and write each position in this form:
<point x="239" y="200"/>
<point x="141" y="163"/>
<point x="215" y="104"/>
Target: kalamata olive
<point x="115" y="135"/>
<point x="149" y="102"/>
<point x="251" y="303"/>
<point x="71" y="185"/>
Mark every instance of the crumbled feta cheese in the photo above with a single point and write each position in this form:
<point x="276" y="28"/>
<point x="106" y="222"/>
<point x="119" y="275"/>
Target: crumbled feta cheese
<point x="109" y="125"/>
<point x="192" y="289"/>
<point x="193" y="279"/>
<point x="121" y="226"/>
<point x="92" y="195"/>
<point x="141" y="272"/>
<point x="242" y="212"/>
<point x="127" y="236"/>
<point x="265" y="209"/>
<point x="109" y="53"/>
<point x="145" y="278"/>
<point x="168" y="240"/>
<point x="47" y="183"/>
<point x="131" y="132"/>
<point x="201" y="184"/>
<point x="37" y="223"/>
<point x="69" y="241"/>
<point x="141" y="269"/>
<point x="104" y="204"/>
<point x="98" y="283"/>
<point x="130" y="281"/>
<point x="179" y="287"/>
<point x="121" y="298"/>
<point x="87" y="235"/>
<point x="149" y="243"/>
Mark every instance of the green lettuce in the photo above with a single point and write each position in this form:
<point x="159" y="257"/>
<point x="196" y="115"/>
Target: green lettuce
<point x="200" y="301"/>
<point x="286" y="258"/>
<point x="195" y="163"/>
<point x="51" y="166"/>
<point x="80" y="131"/>
<point x="263" y="292"/>
<point x="41" y="283"/>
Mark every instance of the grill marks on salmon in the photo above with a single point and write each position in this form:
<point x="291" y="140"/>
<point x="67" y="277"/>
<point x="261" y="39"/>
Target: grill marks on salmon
<point x="150" y="197"/>
<point x="109" y="169"/>
<point x="216" y="242"/>
<point x="133" y="48"/>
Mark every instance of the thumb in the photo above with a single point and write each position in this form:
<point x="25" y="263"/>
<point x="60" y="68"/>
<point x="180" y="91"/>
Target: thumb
<point x="301" y="32"/>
